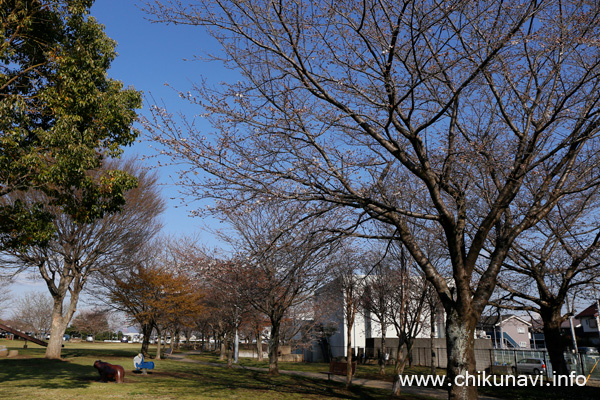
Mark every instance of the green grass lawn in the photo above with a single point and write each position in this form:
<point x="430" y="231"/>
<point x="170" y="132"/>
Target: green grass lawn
<point x="363" y="371"/>
<point x="30" y="376"/>
<point x="370" y="371"/>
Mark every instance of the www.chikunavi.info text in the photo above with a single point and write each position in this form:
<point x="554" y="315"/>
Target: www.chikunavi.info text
<point x="483" y="379"/>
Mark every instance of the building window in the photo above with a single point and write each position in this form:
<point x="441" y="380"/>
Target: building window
<point x="523" y="344"/>
<point x="592" y="323"/>
<point x="521" y="330"/>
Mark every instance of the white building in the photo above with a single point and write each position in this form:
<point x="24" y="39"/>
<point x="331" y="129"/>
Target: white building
<point x="366" y="326"/>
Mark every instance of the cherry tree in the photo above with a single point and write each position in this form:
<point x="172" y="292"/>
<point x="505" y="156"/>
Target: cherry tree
<point x="471" y="119"/>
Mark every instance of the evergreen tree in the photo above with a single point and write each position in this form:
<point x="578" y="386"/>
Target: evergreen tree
<point x="60" y="116"/>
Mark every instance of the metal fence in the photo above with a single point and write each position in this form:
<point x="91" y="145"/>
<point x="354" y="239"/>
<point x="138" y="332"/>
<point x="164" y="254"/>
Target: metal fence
<point x="579" y="363"/>
<point x="486" y="359"/>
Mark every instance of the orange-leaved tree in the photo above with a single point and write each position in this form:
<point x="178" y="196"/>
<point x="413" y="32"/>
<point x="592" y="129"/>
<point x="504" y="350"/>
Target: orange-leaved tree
<point x="154" y="294"/>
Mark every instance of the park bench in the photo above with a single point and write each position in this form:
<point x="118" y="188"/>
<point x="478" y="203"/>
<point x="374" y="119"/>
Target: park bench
<point x="339" y="368"/>
<point x="140" y="364"/>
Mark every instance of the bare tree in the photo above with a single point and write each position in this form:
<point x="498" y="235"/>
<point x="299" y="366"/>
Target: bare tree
<point x="472" y="119"/>
<point x="34" y="311"/>
<point x="408" y="311"/>
<point x="557" y="260"/>
<point x="78" y="251"/>
<point x="348" y="283"/>
<point x="255" y="323"/>
<point x="91" y="322"/>
<point x="281" y="258"/>
<point x="376" y="302"/>
<point x="226" y="301"/>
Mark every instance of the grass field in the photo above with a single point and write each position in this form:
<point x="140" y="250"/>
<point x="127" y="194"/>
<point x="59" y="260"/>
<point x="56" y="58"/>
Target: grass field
<point x="363" y="371"/>
<point x="30" y="376"/>
<point x="372" y="372"/>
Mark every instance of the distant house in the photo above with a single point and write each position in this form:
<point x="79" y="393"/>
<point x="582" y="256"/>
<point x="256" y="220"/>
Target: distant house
<point x="589" y="323"/>
<point x="565" y="328"/>
<point x="505" y="331"/>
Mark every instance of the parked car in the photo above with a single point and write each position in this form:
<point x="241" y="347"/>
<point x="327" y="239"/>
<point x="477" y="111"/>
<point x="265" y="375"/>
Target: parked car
<point x="591" y="352"/>
<point x="125" y="339"/>
<point x="89" y="338"/>
<point x="530" y="366"/>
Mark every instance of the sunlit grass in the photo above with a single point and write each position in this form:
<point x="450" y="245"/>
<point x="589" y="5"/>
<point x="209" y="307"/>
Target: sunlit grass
<point x="363" y="371"/>
<point x="30" y="376"/>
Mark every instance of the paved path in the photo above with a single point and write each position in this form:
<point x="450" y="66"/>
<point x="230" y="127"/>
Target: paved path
<point x="372" y="383"/>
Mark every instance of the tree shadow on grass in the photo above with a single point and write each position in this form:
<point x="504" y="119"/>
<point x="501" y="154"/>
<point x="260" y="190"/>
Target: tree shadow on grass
<point x="47" y="374"/>
<point x="217" y="380"/>
<point x="99" y="353"/>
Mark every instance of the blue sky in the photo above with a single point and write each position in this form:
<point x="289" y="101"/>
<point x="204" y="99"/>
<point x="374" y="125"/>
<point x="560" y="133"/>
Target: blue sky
<point x="150" y="56"/>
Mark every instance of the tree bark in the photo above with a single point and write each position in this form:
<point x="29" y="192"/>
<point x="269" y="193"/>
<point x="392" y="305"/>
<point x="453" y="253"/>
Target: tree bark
<point x="274" y="347"/>
<point x="460" y="342"/>
<point x="60" y="321"/>
<point x="349" y="352"/>
<point x="432" y="339"/>
<point x="229" y="346"/>
<point x="259" y="345"/>
<point x="382" y="359"/>
<point x="554" y="341"/>
<point x="54" y="349"/>
<point x="147" y="332"/>
<point x="175" y="340"/>
<point x="223" y="347"/>
<point x="399" y="367"/>
<point x="158" y="344"/>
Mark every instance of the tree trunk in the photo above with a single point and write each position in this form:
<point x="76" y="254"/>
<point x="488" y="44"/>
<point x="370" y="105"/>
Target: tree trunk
<point x="399" y="367"/>
<point x="382" y="357"/>
<point x="158" y="344"/>
<point x="432" y="339"/>
<point x="274" y="348"/>
<point x="460" y="342"/>
<point x="259" y="345"/>
<point x="147" y="332"/>
<point x="60" y="323"/>
<point x="349" y="352"/>
<point x="175" y="340"/>
<point x="229" y="345"/>
<point x="350" y="317"/>
<point x="223" y="347"/>
<point x="58" y="328"/>
<point x="554" y="341"/>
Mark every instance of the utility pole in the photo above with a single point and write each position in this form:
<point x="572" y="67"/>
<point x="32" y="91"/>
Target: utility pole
<point x="597" y="311"/>
<point x="571" y="312"/>
<point x="598" y="316"/>
<point x="236" y="343"/>
<point x="236" y="346"/>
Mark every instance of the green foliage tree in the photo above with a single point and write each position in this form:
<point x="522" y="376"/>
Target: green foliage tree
<point x="78" y="251"/>
<point x="60" y="116"/>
